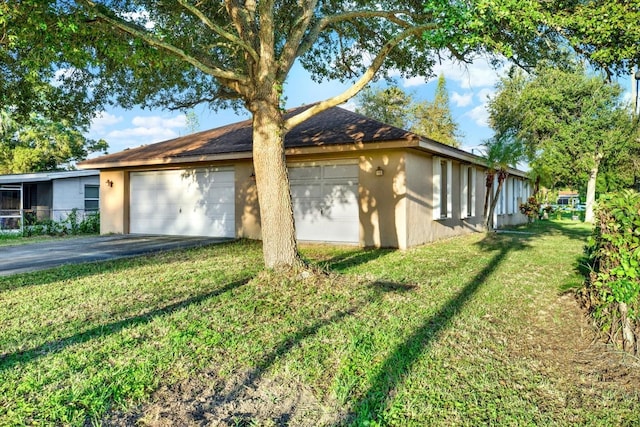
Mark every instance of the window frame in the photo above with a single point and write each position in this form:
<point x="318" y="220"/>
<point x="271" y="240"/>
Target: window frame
<point x="467" y="191"/>
<point x="91" y="199"/>
<point x="441" y="180"/>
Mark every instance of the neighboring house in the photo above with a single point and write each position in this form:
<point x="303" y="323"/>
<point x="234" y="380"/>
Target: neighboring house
<point x="353" y="180"/>
<point x="47" y="195"/>
<point x="568" y="198"/>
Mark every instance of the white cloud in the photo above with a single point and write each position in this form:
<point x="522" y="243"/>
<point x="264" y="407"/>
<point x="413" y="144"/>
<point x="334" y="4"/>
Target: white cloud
<point x="139" y="130"/>
<point x="462" y="100"/>
<point x="150" y="134"/>
<point x="480" y="73"/>
<point x="141" y="18"/>
<point x="486" y="94"/>
<point x="350" y="105"/>
<point x="476" y="75"/>
<point x="148" y="129"/>
<point x="160" y="122"/>
<point x="414" y="81"/>
<point x="61" y="74"/>
<point x="102" y="120"/>
<point x="479" y="115"/>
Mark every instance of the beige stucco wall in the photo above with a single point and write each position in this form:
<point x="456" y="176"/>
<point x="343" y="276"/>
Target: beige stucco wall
<point x="247" y="209"/>
<point x="421" y="226"/>
<point x="395" y="209"/>
<point x="383" y="199"/>
<point x="114" y="202"/>
<point x="419" y="199"/>
<point x="513" y="216"/>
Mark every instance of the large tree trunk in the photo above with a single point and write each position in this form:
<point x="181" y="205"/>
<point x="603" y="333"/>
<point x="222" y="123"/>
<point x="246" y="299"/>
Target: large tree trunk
<point x="502" y="176"/>
<point x="279" y="245"/>
<point x="591" y="189"/>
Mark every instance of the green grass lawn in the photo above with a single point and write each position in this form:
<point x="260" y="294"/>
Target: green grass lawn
<point x="451" y="333"/>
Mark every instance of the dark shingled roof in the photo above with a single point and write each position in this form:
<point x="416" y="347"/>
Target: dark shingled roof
<point x="334" y="126"/>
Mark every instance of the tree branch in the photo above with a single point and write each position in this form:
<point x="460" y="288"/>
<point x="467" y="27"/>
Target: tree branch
<point x="218" y="30"/>
<point x="322" y="24"/>
<point x="243" y="18"/>
<point x="266" y="35"/>
<point x="360" y="83"/>
<point x="177" y="52"/>
<point x="290" y="50"/>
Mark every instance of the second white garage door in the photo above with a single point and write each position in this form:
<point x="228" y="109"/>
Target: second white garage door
<point x="190" y="202"/>
<point x="325" y="202"/>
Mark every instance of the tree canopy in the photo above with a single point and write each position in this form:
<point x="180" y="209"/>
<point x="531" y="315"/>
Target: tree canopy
<point x="570" y="122"/>
<point x="395" y="107"/>
<point x="238" y="53"/>
<point x="390" y="105"/>
<point x="434" y="119"/>
<point x="38" y="144"/>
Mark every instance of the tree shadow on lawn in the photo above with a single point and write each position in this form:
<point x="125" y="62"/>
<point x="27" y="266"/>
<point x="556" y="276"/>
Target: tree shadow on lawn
<point x="378" y="397"/>
<point x="219" y="404"/>
<point x="252" y="379"/>
<point x="341" y="263"/>
<point x="233" y="404"/>
<point x="88" y="269"/>
<point x="8" y="360"/>
<point x="572" y="229"/>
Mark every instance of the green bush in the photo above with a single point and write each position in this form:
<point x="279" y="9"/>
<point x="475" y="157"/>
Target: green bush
<point x="73" y="224"/>
<point x="90" y="224"/>
<point x="612" y="291"/>
<point x="531" y="209"/>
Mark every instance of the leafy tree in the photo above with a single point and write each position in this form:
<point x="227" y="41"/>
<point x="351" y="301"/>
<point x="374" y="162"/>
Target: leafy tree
<point x="39" y="144"/>
<point x="397" y="108"/>
<point x="501" y="153"/>
<point x="570" y="120"/>
<point x="238" y="53"/>
<point x="433" y="119"/>
<point x="391" y="105"/>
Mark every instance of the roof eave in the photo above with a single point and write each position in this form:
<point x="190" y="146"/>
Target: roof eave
<point x="461" y="155"/>
<point x="247" y="155"/>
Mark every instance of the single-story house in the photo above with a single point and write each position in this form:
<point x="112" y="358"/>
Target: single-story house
<point x="568" y="198"/>
<point x="353" y="180"/>
<point x="47" y="195"/>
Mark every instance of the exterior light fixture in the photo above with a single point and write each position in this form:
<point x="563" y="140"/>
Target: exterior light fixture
<point x="109" y="183"/>
<point x="379" y="171"/>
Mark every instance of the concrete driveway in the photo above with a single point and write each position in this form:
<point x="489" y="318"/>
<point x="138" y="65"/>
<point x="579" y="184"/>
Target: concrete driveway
<point x="43" y="255"/>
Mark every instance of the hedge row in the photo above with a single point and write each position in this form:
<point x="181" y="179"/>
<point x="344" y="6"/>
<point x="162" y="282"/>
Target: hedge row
<point x="612" y="291"/>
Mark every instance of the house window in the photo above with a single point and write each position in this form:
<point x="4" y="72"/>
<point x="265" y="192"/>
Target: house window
<point x="444" y="190"/>
<point x="91" y="198"/>
<point x="468" y="192"/>
<point x="442" y="176"/>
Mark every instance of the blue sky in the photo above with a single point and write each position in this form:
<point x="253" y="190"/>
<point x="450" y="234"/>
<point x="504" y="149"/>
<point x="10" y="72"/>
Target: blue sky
<point x="468" y="86"/>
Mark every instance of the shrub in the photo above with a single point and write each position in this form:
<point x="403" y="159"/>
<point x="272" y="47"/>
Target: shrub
<point x="90" y="224"/>
<point x="531" y="209"/>
<point x="612" y="290"/>
<point x="73" y="224"/>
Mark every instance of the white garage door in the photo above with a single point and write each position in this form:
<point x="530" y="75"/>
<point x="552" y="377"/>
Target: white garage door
<point x="190" y="202"/>
<point x="325" y="202"/>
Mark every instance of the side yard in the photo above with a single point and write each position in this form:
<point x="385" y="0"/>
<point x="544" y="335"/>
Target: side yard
<point x="470" y="331"/>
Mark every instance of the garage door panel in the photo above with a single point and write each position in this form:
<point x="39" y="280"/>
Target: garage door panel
<point x="306" y="190"/>
<point x="306" y="173"/>
<point x="325" y="202"/>
<point x="197" y="202"/>
<point x="341" y="172"/>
